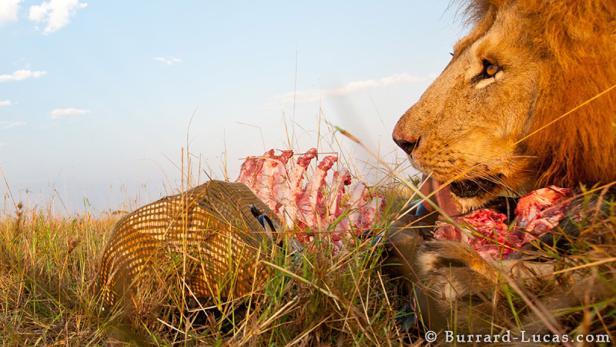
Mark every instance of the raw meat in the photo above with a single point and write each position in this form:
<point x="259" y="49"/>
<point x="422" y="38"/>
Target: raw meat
<point x="542" y="210"/>
<point x="485" y="230"/>
<point x="316" y="205"/>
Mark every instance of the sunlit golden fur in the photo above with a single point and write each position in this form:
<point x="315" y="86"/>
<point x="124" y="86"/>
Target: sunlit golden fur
<point x="553" y="55"/>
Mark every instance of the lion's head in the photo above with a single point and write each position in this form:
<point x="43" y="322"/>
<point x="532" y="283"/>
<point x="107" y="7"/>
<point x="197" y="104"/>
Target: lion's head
<point x="503" y="116"/>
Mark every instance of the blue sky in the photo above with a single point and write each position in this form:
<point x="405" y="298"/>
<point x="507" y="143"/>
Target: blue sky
<point x="96" y="96"/>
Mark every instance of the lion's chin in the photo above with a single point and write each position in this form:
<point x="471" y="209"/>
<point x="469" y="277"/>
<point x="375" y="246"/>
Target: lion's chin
<point x="469" y="204"/>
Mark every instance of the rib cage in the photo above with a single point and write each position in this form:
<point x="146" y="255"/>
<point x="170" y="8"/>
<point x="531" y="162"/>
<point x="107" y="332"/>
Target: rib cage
<point x="207" y="235"/>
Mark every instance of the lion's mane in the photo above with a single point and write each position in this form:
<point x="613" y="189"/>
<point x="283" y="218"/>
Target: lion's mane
<point x="573" y="144"/>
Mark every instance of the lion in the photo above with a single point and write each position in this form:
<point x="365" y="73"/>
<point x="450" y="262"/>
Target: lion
<point x="528" y="100"/>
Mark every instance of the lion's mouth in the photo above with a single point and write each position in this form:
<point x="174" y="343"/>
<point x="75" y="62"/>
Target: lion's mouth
<point x="473" y="188"/>
<point x="470" y="195"/>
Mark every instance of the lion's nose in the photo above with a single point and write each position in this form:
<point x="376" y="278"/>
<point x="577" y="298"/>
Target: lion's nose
<point x="406" y="133"/>
<point x="408" y="144"/>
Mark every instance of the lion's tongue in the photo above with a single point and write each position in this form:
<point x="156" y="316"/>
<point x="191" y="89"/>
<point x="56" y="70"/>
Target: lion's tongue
<point x="442" y="197"/>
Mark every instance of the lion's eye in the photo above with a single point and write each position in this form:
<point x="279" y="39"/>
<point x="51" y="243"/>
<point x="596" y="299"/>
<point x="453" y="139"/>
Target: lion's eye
<point x="489" y="69"/>
<point x="487" y="74"/>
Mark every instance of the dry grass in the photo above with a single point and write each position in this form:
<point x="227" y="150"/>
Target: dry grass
<point x="48" y="268"/>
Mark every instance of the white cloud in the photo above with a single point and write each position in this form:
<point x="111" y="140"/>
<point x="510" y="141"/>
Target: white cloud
<point x="168" y="60"/>
<point x="350" y="88"/>
<point x="11" y="124"/>
<point x="20" y="75"/>
<point x="5" y="103"/>
<point x="55" y="14"/>
<point x="8" y="10"/>
<point x="59" y="113"/>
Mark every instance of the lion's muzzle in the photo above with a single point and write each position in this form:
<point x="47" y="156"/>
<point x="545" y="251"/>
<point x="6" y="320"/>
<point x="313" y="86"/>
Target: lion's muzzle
<point x="406" y="141"/>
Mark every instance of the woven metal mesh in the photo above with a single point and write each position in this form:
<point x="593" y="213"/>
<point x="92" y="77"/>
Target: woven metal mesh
<point x="207" y="235"/>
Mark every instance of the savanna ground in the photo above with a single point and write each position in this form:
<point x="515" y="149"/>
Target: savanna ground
<point x="49" y="266"/>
